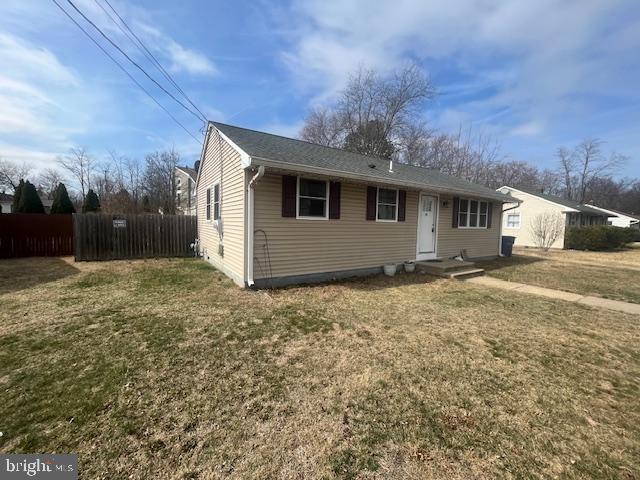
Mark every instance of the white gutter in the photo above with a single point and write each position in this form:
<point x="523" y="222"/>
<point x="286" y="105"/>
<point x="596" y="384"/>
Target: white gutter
<point x="499" y="197"/>
<point x="250" y="222"/>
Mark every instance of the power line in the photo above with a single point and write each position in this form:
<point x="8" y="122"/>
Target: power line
<point x="125" y="71"/>
<point x="143" y="48"/>
<point x="117" y="47"/>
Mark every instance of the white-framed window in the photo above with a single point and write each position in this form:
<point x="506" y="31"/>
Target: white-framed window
<point x="216" y="201"/>
<point x="513" y="220"/>
<point x="387" y="205"/>
<point x="208" y="209"/>
<point x="472" y="213"/>
<point x="312" y="199"/>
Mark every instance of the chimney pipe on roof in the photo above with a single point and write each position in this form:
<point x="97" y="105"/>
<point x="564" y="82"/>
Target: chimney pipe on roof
<point x="390" y="166"/>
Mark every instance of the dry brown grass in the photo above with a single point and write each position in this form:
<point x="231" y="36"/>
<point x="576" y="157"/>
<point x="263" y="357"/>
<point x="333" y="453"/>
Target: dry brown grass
<point x="611" y="275"/>
<point x="626" y="258"/>
<point x="164" y="369"/>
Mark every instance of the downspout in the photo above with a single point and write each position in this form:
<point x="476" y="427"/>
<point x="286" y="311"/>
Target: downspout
<point x="250" y="223"/>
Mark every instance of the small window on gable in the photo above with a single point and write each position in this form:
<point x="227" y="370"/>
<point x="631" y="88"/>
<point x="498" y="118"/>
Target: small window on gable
<point x="208" y="209"/>
<point x="387" y="205"/>
<point x="313" y="196"/>
<point x="216" y="201"/>
<point x="513" y="220"/>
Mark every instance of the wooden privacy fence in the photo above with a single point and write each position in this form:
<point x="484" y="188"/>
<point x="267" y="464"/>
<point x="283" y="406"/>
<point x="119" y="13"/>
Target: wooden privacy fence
<point x="101" y="236"/>
<point x="35" y="235"/>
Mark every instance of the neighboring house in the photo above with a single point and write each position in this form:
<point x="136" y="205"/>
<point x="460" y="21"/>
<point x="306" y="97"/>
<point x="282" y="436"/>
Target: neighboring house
<point x="185" y="187"/>
<point x="274" y="211"/>
<point x="620" y="219"/>
<point x="6" y="202"/>
<point x="517" y="221"/>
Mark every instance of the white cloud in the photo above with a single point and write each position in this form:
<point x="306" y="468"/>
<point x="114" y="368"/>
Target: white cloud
<point x="27" y="61"/>
<point x="545" y="54"/>
<point x="529" y="129"/>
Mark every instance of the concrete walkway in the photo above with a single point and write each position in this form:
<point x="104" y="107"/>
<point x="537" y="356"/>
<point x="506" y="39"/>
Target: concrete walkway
<point x="625" y="307"/>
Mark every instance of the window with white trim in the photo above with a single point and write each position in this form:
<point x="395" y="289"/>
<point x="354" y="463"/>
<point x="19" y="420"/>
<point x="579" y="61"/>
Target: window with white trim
<point x="472" y="213"/>
<point x="208" y="214"/>
<point x="513" y="220"/>
<point x="216" y="201"/>
<point x="313" y="199"/>
<point x="387" y="205"/>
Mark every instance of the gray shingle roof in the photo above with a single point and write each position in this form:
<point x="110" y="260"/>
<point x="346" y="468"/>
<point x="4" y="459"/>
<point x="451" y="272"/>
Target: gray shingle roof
<point x="567" y="203"/>
<point x="298" y="153"/>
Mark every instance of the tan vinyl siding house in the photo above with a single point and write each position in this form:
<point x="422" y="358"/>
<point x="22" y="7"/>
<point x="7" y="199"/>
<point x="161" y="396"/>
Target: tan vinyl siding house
<point x="221" y="166"/>
<point x="299" y="247"/>
<point x="274" y="211"/>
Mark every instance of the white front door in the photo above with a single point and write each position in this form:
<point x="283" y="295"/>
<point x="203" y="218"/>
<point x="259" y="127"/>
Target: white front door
<point x="428" y="214"/>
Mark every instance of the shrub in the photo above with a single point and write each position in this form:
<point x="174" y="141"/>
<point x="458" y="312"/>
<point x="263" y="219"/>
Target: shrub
<point x="30" y="200"/>
<point x="598" y="237"/>
<point x="61" y="201"/>
<point x="91" y="202"/>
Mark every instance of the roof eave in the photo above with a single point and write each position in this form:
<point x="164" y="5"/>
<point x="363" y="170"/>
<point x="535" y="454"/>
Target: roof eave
<point x="254" y="160"/>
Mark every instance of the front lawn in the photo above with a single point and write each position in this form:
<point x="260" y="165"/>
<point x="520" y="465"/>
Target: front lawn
<point x="165" y="369"/>
<point x="611" y="275"/>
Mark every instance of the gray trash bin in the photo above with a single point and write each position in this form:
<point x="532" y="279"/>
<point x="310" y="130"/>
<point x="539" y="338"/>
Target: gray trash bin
<point x="507" y="245"/>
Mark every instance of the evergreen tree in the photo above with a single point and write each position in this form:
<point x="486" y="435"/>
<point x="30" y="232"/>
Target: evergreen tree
<point x="61" y="201"/>
<point x="91" y="202"/>
<point x="16" y="196"/>
<point x="30" y="200"/>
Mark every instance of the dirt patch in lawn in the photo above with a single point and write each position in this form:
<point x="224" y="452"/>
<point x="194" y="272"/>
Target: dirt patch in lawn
<point x="165" y="369"/>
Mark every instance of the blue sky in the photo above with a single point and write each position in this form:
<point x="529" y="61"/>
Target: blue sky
<point x="534" y="75"/>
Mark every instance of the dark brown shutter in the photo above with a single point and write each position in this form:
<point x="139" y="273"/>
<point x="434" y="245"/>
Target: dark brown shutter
<point x="371" y="203"/>
<point x="402" y="205"/>
<point x="289" y="196"/>
<point x="489" y="214"/>
<point x="334" y="200"/>
<point x="455" y="210"/>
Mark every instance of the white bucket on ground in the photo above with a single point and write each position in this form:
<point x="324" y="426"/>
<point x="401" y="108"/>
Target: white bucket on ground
<point x="389" y="270"/>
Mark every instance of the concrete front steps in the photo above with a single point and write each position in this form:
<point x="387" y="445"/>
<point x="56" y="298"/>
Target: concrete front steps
<point x="460" y="270"/>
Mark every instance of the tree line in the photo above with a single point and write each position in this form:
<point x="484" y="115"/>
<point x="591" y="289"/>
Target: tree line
<point x="115" y="184"/>
<point x="383" y="116"/>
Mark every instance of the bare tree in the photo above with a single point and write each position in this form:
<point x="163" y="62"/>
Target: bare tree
<point x="324" y="128"/>
<point x="81" y="166"/>
<point x="546" y="228"/>
<point x="584" y="165"/>
<point x="158" y="179"/>
<point x="11" y="173"/>
<point x="49" y="180"/>
<point x="392" y="103"/>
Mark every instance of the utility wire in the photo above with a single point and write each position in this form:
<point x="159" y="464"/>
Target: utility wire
<point x="115" y="45"/>
<point x="143" y="48"/>
<point x="125" y="71"/>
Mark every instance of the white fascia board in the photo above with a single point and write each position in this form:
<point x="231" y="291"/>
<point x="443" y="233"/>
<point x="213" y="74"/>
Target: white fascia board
<point x="327" y="172"/>
<point x="202" y="154"/>
<point x="565" y="209"/>
<point x="245" y="159"/>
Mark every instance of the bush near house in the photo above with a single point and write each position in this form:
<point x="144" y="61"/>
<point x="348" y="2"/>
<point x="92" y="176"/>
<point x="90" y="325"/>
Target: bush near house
<point x="598" y="237"/>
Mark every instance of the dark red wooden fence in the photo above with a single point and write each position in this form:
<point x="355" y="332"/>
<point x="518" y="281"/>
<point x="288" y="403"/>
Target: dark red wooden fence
<point x="35" y="235"/>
